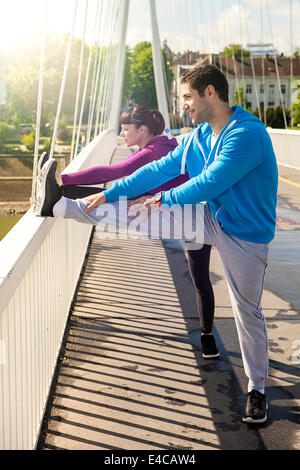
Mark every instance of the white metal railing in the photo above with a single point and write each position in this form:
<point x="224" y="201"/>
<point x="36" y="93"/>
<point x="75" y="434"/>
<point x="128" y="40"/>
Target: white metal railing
<point x="40" y="263"/>
<point x="286" y="145"/>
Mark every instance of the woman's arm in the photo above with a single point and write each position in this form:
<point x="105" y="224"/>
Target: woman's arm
<point x="104" y="173"/>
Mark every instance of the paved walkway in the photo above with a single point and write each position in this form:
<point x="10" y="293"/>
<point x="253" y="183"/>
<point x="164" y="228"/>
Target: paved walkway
<point x="131" y="375"/>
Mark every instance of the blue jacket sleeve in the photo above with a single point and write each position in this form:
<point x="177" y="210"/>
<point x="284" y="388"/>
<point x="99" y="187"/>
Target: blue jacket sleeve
<point x="241" y="153"/>
<point x="150" y="176"/>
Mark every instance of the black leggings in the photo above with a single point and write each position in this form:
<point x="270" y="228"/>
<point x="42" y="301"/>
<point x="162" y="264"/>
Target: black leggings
<point x="198" y="261"/>
<point x="73" y="191"/>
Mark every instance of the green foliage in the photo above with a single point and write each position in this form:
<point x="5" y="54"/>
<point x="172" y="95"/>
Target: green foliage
<point x="141" y="76"/>
<point x="63" y="134"/>
<point x="275" y="117"/>
<point x="28" y="141"/>
<point x="139" y="81"/>
<point x="237" y="49"/>
<point x="296" y="52"/>
<point x="5" y="133"/>
<point x="238" y="95"/>
<point x="47" y="145"/>
<point x="296" y="102"/>
<point x="20" y="73"/>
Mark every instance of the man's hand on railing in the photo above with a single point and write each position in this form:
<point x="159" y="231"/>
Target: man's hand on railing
<point x="95" y="201"/>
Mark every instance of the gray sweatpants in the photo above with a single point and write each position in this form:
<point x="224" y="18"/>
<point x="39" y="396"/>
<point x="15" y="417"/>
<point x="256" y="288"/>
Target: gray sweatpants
<point x="244" y="263"/>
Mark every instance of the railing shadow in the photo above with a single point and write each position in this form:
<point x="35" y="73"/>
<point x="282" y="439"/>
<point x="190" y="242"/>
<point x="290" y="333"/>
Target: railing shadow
<point x="131" y="374"/>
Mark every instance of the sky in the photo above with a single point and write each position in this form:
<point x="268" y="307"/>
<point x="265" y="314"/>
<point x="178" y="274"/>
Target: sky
<point x="204" y="25"/>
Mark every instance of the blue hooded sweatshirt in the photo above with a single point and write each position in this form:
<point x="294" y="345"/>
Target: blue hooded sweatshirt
<point x="238" y="178"/>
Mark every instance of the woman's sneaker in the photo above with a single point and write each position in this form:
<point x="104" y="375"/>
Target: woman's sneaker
<point x="209" y="348"/>
<point x="256" y="408"/>
<point x="49" y="191"/>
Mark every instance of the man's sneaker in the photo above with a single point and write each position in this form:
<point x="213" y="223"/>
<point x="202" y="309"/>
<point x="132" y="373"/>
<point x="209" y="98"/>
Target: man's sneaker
<point x="209" y="348"/>
<point x="256" y="408"/>
<point x="49" y="191"/>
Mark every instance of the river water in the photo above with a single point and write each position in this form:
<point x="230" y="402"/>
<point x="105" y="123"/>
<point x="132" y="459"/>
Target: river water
<point x="7" y="222"/>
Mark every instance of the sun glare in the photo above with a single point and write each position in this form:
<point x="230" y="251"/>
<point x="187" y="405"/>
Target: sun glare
<point x="20" y="22"/>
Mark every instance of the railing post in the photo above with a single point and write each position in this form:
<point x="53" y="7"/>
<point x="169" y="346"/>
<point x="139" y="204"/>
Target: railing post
<point x="158" y="66"/>
<point x="119" y="70"/>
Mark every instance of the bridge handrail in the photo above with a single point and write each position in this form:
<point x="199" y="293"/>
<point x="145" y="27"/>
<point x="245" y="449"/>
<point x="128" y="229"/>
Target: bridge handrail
<point x="286" y="149"/>
<point x="40" y="262"/>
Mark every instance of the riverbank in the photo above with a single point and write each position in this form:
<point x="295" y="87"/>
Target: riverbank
<point x="14" y="207"/>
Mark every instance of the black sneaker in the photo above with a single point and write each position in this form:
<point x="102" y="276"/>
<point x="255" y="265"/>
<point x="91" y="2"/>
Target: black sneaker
<point x="49" y="191"/>
<point x="256" y="408"/>
<point x="209" y="348"/>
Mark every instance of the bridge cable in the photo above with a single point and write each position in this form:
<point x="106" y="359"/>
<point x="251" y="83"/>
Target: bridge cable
<point x="253" y="69"/>
<point x="66" y="66"/>
<point x="96" y="70"/>
<point x="39" y="104"/>
<point x="86" y="79"/>
<point x="263" y="62"/>
<point x="291" y="62"/>
<point x="107" y="74"/>
<point x="276" y="67"/>
<point x="79" y="81"/>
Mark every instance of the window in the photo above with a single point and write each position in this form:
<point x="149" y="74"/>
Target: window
<point x="283" y="89"/>
<point x="271" y="89"/>
<point x="261" y="89"/>
<point x="249" y="89"/>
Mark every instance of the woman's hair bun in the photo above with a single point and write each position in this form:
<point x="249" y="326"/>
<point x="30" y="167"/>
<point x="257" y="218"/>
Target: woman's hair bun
<point x="140" y="115"/>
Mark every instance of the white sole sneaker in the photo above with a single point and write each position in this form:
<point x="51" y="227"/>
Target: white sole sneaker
<point x="49" y="191"/>
<point x="42" y="160"/>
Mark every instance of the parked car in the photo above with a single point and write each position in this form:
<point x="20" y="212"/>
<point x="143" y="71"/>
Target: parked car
<point x="25" y="129"/>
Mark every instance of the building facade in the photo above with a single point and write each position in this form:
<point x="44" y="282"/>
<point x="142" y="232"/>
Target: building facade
<point x="266" y="80"/>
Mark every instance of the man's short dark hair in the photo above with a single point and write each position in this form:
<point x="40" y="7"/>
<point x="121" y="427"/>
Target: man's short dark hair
<point x="203" y="75"/>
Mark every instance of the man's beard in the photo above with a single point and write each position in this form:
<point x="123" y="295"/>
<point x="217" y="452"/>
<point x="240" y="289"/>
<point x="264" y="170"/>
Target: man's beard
<point x="204" y="116"/>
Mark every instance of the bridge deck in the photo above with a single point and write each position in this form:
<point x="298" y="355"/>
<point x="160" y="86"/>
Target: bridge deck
<point x="131" y="375"/>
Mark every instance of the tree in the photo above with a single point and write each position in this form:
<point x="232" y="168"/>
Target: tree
<point x="139" y="75"/>
<point x="296" y="102"/>
<point x="296" y="52"/>
<point x="5" y="133"/>
<point x="20" y="73"/>
<point x="275" y="117"/>
<point x="237" y="50"/>
<point x="238" y="95"/>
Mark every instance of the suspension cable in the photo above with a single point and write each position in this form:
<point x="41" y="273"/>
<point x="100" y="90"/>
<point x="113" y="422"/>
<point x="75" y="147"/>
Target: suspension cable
<point x="39" y="104"/>
<point x="62" y="89"/>
<point x="253" y="71"/>
<point x="263" y="62"/>
<point x="276" y="67"/>
<point x="102" y="73"/>
<point x="107" y="75"/>
<point x="242" y="55"/>
<point x="86" y="79"/>
<point x="79" y="81"/>
<point x="291" y="62"/>
<point x="97" y="65"/>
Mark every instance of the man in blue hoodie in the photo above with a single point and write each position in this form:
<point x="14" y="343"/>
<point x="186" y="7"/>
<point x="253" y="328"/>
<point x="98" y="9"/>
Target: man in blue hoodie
<point x="233" y="183"/>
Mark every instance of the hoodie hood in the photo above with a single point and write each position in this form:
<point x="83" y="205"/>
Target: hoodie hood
<point x="163" y="141"/>
<point x="238" y="117"/>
